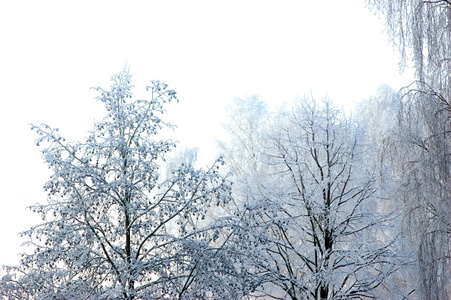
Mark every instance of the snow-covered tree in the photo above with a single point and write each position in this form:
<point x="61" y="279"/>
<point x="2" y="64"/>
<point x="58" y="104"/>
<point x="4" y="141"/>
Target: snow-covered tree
<point x="315" y="230"/>
<point x="422" y="30"/>
<point x="112" y="228"/>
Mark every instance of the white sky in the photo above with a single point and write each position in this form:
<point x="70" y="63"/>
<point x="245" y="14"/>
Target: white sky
<point x="52" y="52"/>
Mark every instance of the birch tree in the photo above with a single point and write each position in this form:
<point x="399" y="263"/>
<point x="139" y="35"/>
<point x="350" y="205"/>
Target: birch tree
<point x="112" y="228"/>
<point x="421" y="30"/>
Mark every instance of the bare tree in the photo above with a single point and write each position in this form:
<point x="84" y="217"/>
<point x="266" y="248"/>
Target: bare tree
<point x="314" y="229"/>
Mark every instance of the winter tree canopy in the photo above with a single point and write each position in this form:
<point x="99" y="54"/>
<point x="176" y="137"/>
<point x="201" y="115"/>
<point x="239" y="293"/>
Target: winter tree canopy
<point x="314" y="203"/>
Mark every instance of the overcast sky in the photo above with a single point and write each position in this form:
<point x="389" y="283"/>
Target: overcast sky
<point x="52" y="52"/>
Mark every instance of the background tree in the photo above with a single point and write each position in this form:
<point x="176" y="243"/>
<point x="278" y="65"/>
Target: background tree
<point x="423" y="29"/>
<point x="380" y="116"/>
<point x="245" y="122"/>
<point x="112" y="228"/>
